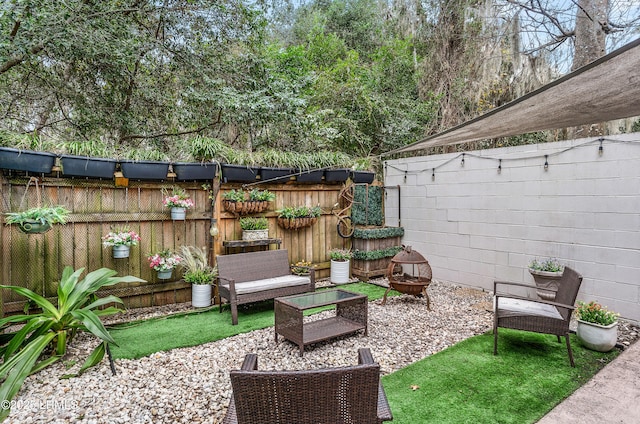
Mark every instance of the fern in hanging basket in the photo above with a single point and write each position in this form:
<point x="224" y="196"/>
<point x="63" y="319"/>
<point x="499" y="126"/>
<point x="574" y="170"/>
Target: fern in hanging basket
<point x="238" y="202"/>
<point x="38" y="220"/>
<point x="296" y="217"/>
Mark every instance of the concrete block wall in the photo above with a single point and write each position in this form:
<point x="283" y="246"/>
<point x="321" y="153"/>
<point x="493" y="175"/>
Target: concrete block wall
<point x="476" y="223"/>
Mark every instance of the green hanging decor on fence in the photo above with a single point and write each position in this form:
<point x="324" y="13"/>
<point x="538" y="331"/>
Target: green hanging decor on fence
<point x="378" y="233"/>
<point x="367" y="205"/>
<point x="372" y="255"/>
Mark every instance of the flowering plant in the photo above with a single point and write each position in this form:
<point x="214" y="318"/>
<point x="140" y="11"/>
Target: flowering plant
<point x="548" y="265"/>
<point x="340" y="254"/>
<point x="300" y="267"/>
<point x="178" y="199"/>
<point x="122" y="237"/>
<point x="594" y="312"/>
<point x="164" y="261"/>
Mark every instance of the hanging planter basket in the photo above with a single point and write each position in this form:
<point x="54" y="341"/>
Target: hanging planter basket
<point x="34" y="227"/>
<point x="245" y="208"/>
<point x="296" y="223"/>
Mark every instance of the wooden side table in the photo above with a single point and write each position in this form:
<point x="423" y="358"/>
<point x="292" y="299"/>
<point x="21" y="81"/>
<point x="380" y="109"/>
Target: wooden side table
<point x="243" y="244"/>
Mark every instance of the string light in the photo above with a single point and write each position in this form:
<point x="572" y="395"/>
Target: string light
<point x="600" y="149"/>
<point x="546" y="162"/>
<point x="462" y="162"/>
<point x="405" y="176"/>
<point x="433" y="174"/>
<point x="499" y="166"/>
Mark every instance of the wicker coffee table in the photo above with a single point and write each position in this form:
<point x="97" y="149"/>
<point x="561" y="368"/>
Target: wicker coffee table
<point x="350" y="317"/>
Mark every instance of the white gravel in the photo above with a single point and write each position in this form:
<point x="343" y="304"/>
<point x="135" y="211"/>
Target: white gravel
<point x="191" y="385"/>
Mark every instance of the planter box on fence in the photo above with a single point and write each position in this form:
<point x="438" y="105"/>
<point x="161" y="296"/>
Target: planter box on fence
<point x="336" y="175"/>
<point x="276" y="175"/>
<point x="362" y="177"/>
<point x="238" y="173"/>
<point x="26" y="160"/>
<point x="145" y="170"/>
<point x="377" y="244"/>
<point x="312" y="176"/>
<point x="84" y="166"/>
<point x="187" y="171"/>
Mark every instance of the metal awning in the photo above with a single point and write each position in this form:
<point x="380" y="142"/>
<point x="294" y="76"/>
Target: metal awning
<point x="604" y="90"/>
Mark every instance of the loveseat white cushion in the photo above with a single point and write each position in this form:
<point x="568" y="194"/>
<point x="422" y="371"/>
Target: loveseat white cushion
<point x="270" y="283"/>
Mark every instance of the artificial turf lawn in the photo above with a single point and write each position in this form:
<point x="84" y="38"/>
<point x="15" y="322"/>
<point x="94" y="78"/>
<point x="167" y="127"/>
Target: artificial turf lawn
<point x="466" y="383"/>
<point x="143" y="338"/>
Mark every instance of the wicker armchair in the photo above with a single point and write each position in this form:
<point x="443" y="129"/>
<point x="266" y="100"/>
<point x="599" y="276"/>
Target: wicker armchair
<point x="540" y="316"/>
<point x="347" y="395"/>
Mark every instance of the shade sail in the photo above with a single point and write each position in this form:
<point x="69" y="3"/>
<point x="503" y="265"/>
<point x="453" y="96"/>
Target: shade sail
<point x="604" y="90"/>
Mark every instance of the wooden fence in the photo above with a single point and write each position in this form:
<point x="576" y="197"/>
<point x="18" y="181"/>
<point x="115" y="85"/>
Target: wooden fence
<point x="36" y="261"/>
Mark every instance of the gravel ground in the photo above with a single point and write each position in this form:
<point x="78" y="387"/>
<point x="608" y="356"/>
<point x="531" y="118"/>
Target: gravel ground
<point x="191" y="385"/>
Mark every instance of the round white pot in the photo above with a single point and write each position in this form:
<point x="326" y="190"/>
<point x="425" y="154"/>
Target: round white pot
<point x="597" y="337"/>
<point x="121" y="251"/>
<point x="249" y="235"/>
<point x="200" y="295"/>
<point x="340" y="272"/>
<point x="178" y="214"/>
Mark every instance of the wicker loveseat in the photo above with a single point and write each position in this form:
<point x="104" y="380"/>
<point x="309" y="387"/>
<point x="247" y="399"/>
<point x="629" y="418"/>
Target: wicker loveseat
<point x="252" y="277"/>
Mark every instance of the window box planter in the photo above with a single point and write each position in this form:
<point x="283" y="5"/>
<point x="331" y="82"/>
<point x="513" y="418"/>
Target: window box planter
<point x="296" y="223"/>
<point x="336" y="175"/>
<point x="186" y="171"/>
<point x="26" y="160"/>
<point x="84" y="166"/>
<point x="374" y="247"/>
<point x="278" y="175"/>
<point x="362" y="177"/>
<point x="312" y="176"/>
<point x="145" y="170"/>
<point x="239" y="173"/>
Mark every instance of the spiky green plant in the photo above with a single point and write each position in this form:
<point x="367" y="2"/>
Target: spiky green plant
<point x="44" y="336"/>
<point x="195" y="263"/>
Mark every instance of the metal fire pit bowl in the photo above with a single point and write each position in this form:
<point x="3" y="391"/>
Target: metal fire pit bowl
<point x="416" y="284"/>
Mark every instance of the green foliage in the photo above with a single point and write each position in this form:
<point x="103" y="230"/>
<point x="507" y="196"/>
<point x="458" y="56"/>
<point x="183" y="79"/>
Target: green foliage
<point x="254" y="223"/>
<point x="300" y="212"/>
<point x="367" y="207"/>
<point x="262" y="195"/>
<point x="255" y="194"/>
<point x="195" y="264"/>
<point x="45" y="335"/>
<point x="595" y="313"/>
<point x="372" y="255"/>
<point x="340" y="254"/>
<point x="377" y="233"/>
<point x="548" y="265"/>
<point x="234" y="195"/>
<point x="43" y="215"/>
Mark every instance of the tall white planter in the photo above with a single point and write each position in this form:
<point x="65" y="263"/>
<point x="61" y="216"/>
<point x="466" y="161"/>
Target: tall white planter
<point x="200" y="295"/>
<point x="597" y="337"/>
<point x="340" y="272"/>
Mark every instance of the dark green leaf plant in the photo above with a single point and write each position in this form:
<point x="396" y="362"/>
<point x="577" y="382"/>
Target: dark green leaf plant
<point x="42" y="338"/>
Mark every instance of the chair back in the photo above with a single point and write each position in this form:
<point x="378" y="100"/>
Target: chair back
<point x="347" y="395"/>
<point x="568" y="287"/>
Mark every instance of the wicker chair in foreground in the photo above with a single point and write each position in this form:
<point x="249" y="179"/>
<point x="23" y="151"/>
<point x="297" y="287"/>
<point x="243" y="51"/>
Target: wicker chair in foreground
<point x="540" y="316"/>
<point x="346" y="395"/>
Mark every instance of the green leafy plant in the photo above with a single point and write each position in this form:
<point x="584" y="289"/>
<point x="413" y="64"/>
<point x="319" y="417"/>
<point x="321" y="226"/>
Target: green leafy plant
<point x="595" y="313"/>
<point x="254" y="223"/>
<point x="261" y="195"/>
<point x="372" y="255"/>
<point x="195" y="263"/>
<point x="547" y="265"/>
<point x="378" y="233"/>
<point x="292" y="212"/>
<point x="234" y="195"/>
<point x="340" y="254"/>
<point x="43" y="215"/>
<point x="301" y="267"/>
<point x="44" y="337"/>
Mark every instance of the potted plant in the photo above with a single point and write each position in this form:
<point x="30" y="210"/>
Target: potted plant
<point x="597" y="326"/>
<point x="121" y="240"/>
<point x="199" y="273"/>
<point x="240" y="203"/>
<point x="38" y="220"/>
<point x="546" y="274"/>
<point x="301" y="267"/>
<point x="26" y="160"/>
<point x="296" y="217"/>
<point x="164" y="262"/>
<point x="254" y="228"/>
<point x="340" y="261"/>
<point x="179" y="202"/>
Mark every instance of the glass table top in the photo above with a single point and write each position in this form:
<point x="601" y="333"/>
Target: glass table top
<point x="321" y="298"/>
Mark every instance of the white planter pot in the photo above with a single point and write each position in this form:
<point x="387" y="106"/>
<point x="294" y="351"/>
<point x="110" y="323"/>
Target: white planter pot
<point x="340" y="272"/>
<point x="120" y="251"/>
<point x="165" y="275"/>
<point x="178" y="214"/>
<point x="546" y="280"/>
<point x="249" y="235"/>
<point x="200" y="295"/>
<point x="597" y="337"/>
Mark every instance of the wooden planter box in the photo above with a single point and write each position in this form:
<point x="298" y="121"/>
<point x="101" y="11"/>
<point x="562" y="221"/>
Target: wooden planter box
<point x="366" y="269"/>
<point x="26" y="160"/>
<point x="83" y="166"/>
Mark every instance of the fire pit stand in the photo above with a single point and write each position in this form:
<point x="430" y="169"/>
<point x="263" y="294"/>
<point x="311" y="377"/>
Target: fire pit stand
<point x="416" y="284"/>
